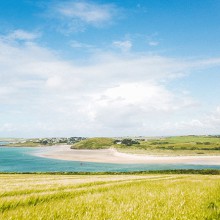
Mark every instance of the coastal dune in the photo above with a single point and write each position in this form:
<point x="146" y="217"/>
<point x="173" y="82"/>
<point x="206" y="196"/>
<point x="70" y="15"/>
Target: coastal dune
<point x="113" y="156"/>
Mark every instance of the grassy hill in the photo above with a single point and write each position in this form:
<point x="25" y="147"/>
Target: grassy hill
<point x="94" y="143"/>
<point x="115" y="197"/>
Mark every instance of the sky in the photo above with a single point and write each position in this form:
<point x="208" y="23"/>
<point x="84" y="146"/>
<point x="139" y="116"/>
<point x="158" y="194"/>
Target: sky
<point x="109" y="68"/>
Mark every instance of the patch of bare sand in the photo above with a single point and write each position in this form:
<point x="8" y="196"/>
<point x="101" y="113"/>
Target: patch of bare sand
<point x="113" y="156"/>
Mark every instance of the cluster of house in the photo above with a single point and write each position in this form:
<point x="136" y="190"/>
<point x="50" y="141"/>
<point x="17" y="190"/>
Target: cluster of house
<point x="61" y="140"/>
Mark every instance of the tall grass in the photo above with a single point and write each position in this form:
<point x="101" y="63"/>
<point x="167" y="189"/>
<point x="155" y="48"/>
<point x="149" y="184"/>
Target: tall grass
<point x="109" y="197"/>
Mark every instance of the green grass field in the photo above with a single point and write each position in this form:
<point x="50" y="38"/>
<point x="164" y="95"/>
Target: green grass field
<point x="155" y="196"/>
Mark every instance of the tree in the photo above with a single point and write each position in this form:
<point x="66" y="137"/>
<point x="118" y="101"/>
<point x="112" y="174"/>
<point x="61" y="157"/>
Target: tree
<point x="129" y="142"/>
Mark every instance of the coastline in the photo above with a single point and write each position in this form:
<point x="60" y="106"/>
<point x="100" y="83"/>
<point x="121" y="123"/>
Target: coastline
<point x="63" y="152"/>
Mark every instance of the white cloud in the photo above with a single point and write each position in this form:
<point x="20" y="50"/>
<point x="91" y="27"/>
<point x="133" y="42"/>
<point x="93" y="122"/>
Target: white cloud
<point x="22" y="35"/>
<point x="77" y="44"/>
<point x="153" y="43"/>
<point x="208" y="123"/>
<point x="132" y="107"/>
<point x="88" y="12"/>
<point x="123" y="45"/>
<point x="75" y="15"/>
<point x="54" y="81"/>
<point x="213" y="119"/>
<point x="148" y="96"/>
<point x="109" y="94"/>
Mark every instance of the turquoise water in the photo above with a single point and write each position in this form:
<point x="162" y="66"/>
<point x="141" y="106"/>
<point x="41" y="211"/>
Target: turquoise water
<point x="2" y="143"/>
<point x="20" y="160"/>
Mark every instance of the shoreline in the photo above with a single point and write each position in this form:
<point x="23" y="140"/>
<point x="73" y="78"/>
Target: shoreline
<point x="63" y="152"/>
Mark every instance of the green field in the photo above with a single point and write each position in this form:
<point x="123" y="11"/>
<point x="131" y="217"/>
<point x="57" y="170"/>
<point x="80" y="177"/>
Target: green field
<point x="155" y="196"/>
<point x="179" y="145"/>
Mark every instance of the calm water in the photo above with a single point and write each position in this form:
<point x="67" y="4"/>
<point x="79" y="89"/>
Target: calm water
<point x="2" y="143"/>
<point x="20" y="160"/>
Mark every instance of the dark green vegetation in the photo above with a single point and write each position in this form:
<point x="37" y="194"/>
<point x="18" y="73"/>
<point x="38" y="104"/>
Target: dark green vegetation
<point x="181" y="145"/>
<point x="181" y="171"/>
<point x="126" y="142"/>
<point x="115" y="197"/>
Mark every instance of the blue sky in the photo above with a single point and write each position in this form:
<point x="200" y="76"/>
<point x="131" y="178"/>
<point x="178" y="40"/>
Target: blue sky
<point x="109" y="68"/>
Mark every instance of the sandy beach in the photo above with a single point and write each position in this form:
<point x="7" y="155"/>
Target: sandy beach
<point x="113" y="156"/>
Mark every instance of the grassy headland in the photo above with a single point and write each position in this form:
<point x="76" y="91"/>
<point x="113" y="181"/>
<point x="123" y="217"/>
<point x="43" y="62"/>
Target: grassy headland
<point x="180" y="145"/>
<point x="88" y="197"/>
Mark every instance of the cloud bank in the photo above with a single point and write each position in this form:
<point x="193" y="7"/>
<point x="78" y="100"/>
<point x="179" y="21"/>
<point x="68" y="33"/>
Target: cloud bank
<point x="110" y="94"/>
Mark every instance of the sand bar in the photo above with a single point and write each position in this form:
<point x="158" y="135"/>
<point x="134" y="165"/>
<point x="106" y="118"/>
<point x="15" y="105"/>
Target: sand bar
<point x="113" y="156"/>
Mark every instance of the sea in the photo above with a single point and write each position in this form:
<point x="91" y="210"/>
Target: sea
<point x="22" y="159"/>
